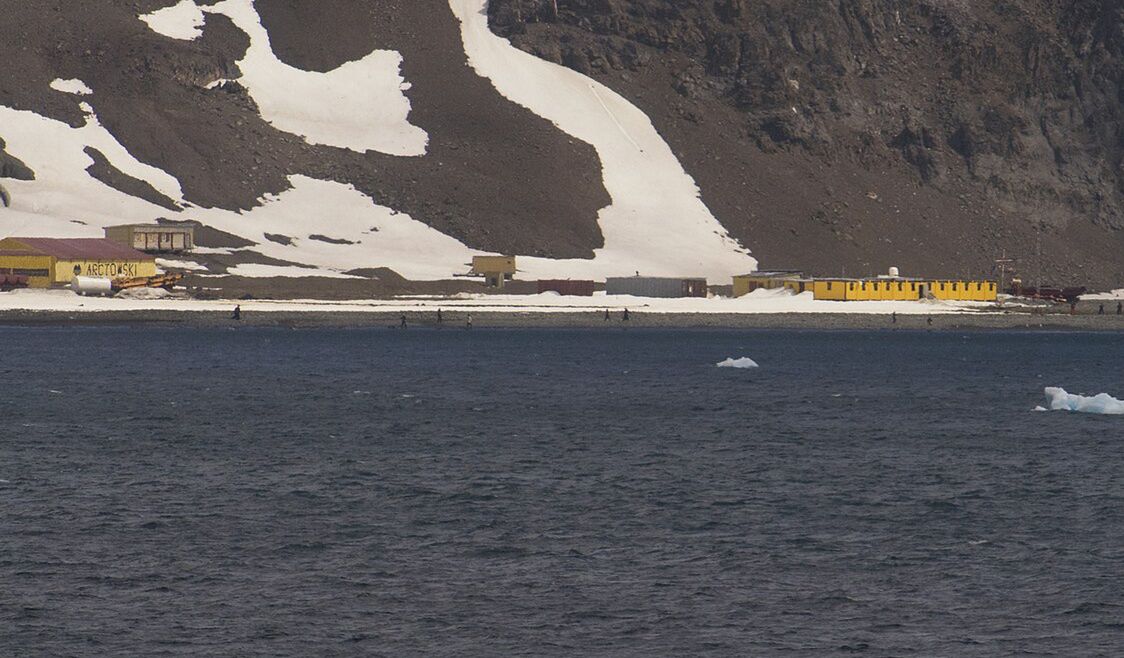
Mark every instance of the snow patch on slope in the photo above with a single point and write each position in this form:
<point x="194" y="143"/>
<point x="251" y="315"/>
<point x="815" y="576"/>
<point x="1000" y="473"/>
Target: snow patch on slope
<point x="63" y="191"/>
<point x="381" y="236"/>
<point x="76" y="87"/>
<point x="65" y="201"/>
<point x="657" y="223"/>
<point x="359" y="106"/>
<point x="183" y="21"/>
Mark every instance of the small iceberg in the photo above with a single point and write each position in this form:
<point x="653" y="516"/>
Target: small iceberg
<point x="744" y="362"/>
<point x="1104" y="403"/>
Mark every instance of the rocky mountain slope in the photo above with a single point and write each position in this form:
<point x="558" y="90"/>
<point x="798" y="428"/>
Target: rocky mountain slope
<point x="353" y="135"/>
<point x="932" y="133"/>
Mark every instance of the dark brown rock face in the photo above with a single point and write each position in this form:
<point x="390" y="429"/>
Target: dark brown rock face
<point x="932" y="133"/>
<point x="495" y="175"/>
<point x="929" y="134"/>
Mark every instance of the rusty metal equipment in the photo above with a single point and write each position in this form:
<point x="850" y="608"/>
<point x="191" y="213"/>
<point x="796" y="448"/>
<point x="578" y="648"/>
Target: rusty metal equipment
<point x="158" y="281"/>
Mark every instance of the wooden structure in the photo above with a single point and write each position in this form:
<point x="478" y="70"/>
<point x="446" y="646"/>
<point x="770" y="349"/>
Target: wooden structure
<point x="154" y="238"/>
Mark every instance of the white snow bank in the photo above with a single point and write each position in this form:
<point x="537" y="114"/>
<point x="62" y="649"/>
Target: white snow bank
<point x="180" y="265"/>
<point x="62" y="190"/>
<point x="65" y="201"/>
<point x="256" y="270"/>
<point x="183" y="21"/>
<point x="381" y="236"/>
<point x="1105" y="296"/>
<point x="73" y="86"/>
<point x="742" y="363"/>
<point x="1104" y="403"/>
<point x="55" y="300"/>
<point x="359" y="106"/>
<point x="657" y="224"/>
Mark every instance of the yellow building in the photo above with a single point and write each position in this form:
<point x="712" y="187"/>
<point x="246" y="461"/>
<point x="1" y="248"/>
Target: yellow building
<point x="494" y="269"/>
<point x="49" y="262"/>
<point x="962" y="290"/>
<point x="791" y="279"/>
<point x="902" y="289"/>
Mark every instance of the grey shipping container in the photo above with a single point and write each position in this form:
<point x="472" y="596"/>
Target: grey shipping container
<point x="647" y="286"/>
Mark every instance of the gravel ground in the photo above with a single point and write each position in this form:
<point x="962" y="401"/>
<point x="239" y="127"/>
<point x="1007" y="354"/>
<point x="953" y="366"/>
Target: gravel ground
<point x="1083" y="321"/>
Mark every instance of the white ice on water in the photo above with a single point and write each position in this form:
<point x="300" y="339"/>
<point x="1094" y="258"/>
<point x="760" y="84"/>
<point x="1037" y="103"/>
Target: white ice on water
<point x="742" y="363"/>
<point x="1060" y="400"/>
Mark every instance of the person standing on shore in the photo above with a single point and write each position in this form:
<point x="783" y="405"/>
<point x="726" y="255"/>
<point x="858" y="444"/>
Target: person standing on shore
<point x="624" y="318"/>
<point x="469" y="323"/>
<point x="237" y="314"/>
<point x="439" y="320"/>
<point x="1100" y="310"/>
<point x="607" y="318"/>
<point x="403" y="324"/>
<point x="929" y="320"/>
<point x="894" y="317"/>
<point x="1120" y="308"/>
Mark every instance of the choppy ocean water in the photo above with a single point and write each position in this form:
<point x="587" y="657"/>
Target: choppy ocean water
<point x="379" y="492"/>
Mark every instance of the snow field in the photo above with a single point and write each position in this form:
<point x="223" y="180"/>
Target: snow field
<point x="64" y="300"/>
<point x="359" y="106"/>
<point x="657" y="224"/>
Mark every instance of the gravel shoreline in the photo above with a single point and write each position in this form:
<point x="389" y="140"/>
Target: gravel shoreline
<point x="595" y="320"/>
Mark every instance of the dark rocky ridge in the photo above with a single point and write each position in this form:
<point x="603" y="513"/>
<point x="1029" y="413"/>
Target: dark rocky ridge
<point x="490" y="177"/>
<point x="858" y="133"/>
<point x="932" y="135"/>
<point x="103" y="170"/>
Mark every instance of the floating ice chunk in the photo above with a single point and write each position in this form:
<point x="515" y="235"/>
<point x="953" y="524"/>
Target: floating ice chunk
<point x="743" y="363"/>
<point x="75" y="86"/>
<point x="1097" y="404"/>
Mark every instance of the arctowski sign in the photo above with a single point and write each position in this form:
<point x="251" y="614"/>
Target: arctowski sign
<point x="112" y="270"/>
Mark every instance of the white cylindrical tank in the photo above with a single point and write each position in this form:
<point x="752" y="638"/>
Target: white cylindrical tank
<point x="894" y="272"/>
<point x="91" y="285"/>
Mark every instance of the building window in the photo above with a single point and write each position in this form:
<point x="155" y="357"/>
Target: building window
<point x="829" y="285"/>
<point x="43" y="273"/>
<point x="901" y="286"/>
<point x="954" y="287"/>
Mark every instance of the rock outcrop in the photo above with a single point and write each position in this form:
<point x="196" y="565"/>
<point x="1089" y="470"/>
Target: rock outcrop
<point x="971" y="127"/>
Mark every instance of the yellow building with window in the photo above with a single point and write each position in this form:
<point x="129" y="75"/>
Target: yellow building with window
<point x="902" y="289"/>
<point x="50" y="262"/>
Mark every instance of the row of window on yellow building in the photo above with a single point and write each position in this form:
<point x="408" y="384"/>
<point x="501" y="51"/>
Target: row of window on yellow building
<point x="878" y="288"/>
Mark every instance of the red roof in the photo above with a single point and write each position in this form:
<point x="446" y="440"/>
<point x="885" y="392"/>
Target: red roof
<point x="84" y="249"/>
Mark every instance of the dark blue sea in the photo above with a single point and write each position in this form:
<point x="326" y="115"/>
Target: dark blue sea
<point x="536" y="492"/>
